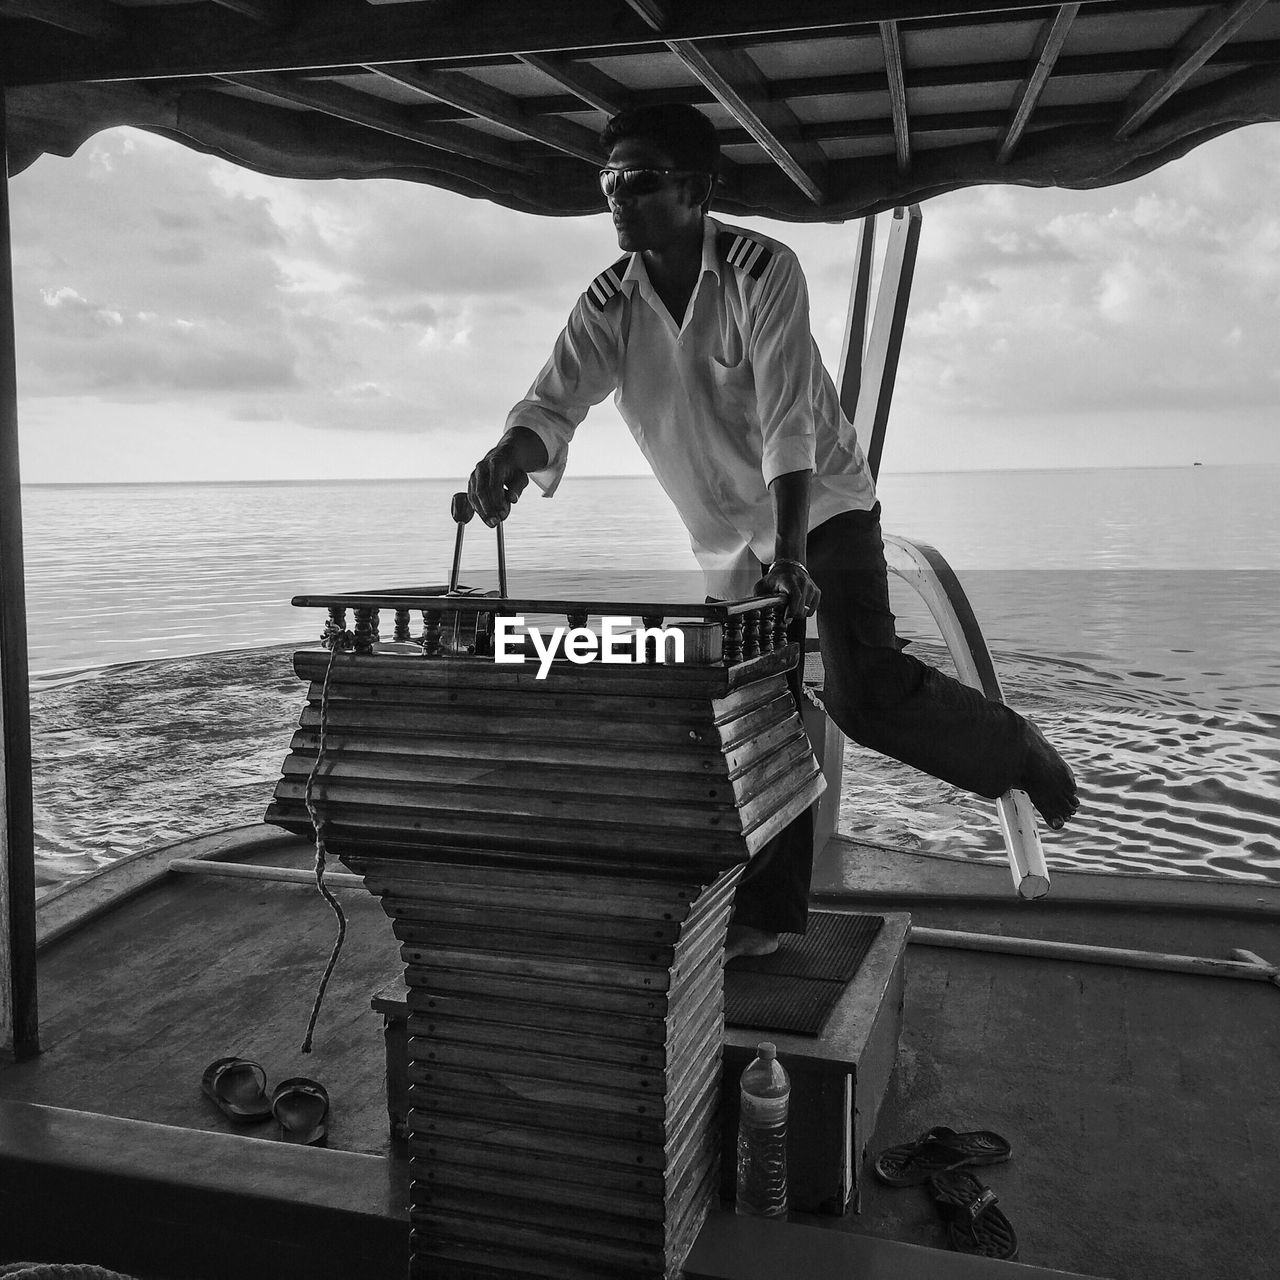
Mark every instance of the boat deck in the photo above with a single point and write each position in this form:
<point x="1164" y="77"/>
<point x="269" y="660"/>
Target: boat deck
<point x="1140" y="1104"/>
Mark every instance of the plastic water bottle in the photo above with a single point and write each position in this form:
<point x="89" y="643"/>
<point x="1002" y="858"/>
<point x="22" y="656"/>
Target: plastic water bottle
<point x="762" y="1136"/>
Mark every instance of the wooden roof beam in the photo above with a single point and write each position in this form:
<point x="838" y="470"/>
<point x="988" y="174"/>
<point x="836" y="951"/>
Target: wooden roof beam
<point x="1204" y="39"/>
<point x="95" y="18"/>
<point x="595" y="88"/>
<point x="269" y="13"/>
<point x="896" y="75"/>
<point x="487" y="103"/>
<point x="738" y="85"/>
<point x="373" y="113"/>
<point x="174" y="41"/>
<point x="1049" y="42"/>
<point x="740" y="88"/>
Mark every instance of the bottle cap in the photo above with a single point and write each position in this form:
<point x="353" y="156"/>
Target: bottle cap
<point x="767" y="1050"/>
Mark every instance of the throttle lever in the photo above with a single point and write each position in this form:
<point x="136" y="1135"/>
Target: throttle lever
<point x="461" y="509"/>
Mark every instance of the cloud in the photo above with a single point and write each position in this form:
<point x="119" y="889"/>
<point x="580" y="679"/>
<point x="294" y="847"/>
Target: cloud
<point x="151" y="274"/>
<point x="1151" y="295"/>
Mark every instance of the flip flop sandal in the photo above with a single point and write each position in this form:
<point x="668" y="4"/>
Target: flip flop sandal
<point x="237" y="1087"/>
<point x="301" y="1106"/>
<point x="974" y="1224"/>
<point x="940" y="1149"/>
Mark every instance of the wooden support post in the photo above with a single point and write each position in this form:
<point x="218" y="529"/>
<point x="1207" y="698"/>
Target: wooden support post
<point x="18" y="1023"/>
<point x="880" y="366"/>
<point x="849" y="381"/>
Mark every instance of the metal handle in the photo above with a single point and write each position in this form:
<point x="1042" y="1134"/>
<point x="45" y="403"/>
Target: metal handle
<point x="462" y="511"/>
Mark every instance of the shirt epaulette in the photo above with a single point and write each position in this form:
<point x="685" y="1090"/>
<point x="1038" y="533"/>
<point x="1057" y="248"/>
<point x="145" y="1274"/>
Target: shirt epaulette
<point x="744" y="253"/>
<point x="607" y="283"/>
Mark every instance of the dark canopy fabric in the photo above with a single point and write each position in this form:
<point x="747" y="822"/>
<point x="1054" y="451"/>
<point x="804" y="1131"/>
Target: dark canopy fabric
<point x="57" y="119"/>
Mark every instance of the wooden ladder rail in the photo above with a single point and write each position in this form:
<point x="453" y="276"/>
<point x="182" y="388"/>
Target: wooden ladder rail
<point x="868" y="372"/>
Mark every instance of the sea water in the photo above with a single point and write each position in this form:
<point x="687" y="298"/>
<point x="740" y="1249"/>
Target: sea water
<point x="1131" y="612"/>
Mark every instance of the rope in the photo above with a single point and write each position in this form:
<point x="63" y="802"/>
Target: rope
<point x="317" y="825"/>
<point x="57" y="1271"/>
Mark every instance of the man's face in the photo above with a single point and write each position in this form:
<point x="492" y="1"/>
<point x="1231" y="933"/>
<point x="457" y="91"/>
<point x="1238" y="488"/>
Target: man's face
<point x="659" y="218"/>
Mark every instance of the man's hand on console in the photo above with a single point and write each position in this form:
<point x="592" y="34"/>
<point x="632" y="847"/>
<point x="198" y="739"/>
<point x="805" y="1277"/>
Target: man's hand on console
<point x="791" y="579"/>
<point x="501" y="475"/>
<point x="496" y="483"/>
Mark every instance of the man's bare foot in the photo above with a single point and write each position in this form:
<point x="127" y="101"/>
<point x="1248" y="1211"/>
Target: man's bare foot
<point x="746" y="940"/>
<point x="1048" y="781"/>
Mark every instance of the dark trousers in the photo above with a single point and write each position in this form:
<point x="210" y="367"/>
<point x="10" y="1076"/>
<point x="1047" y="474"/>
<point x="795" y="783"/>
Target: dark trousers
<point x="882" y="698"/>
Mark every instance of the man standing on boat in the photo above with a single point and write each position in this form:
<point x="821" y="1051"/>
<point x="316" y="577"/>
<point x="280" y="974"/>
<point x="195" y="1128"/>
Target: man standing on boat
<point x="702" y="332"/>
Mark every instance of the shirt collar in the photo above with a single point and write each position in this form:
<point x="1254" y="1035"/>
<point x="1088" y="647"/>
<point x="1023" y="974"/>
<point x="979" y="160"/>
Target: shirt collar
<point x="636" y="272"/>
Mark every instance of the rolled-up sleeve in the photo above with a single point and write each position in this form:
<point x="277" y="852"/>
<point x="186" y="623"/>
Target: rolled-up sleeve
<point x="787" y="369"/>
<point x="581" y="372"/>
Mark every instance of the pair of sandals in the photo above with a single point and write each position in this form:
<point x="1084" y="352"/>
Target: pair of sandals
<point x="936" y="1158"/>
<point x="238" y="1088"/>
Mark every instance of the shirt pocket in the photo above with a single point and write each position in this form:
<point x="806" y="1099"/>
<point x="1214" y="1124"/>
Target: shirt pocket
<point x="732" y="385"/>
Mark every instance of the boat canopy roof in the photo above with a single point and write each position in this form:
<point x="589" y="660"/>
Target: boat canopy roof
<point x="826" y="109"/>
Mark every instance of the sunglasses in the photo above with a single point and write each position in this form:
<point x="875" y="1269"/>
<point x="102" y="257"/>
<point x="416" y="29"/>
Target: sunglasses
<point x="638" y="182"/>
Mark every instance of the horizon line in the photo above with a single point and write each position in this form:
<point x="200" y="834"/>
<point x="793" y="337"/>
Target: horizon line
<point x="633" y="475"/>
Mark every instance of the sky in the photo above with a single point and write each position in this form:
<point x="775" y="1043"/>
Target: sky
<point x="180" y="318"/>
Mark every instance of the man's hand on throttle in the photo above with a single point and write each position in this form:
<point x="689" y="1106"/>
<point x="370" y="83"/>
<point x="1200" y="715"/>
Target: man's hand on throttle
<point x="791" y="579"/>
<point x="497" y="482"/>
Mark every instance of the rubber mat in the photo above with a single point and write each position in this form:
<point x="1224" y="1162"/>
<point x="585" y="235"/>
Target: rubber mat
<point x="796" y="988"/>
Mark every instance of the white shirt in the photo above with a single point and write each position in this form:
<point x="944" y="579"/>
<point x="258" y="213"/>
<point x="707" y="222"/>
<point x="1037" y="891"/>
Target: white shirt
<point x="720" y="406"/>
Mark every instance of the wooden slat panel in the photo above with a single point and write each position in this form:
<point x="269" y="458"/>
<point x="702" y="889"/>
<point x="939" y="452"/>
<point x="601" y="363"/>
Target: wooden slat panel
<point x="1204" y="39"/>
<point x="590" y="1160"/>
<point x="896" y="77"/>
<point x="535" y="1201"/>
<point x="806" y="795"/>
<point x="533" y="891"/>
<point x="488" y="103"/>
<point x="639" y="1139"/>
<point x="459" y="722"/>
<point x="567" y="946"/>
<point x="777" y="798"/>
<point x="523" y="1068"/>
<point x="601" y="1045"/>
<point x="405" y="876"/>
<point x="535" y="776"/>
<point x="626" y="691"/>
<point x="486" y="915"/>
<point x="586" y="759"/>
<point x="349" y="104"/>
<point x="615" y="1146"/>
<point x="633" y="1040"/>
<point x="595" y="677"/>
<point x="551" y="1086"/>
<point x="622" y="845"/>
<point x="793" y="759"/>
<point x="472" y="1168"/>
<point x="1049" y="44"/>
<point x="190" y="40"/>
<point x="337" y="788"/>
<point x="639" y="857"/>
<point x="516" y="968"/>
<point x="565" y="926"/>
<point x="584" y="81"/>
<point x="424" y="1006"/>
<point x="740" y="88"/>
